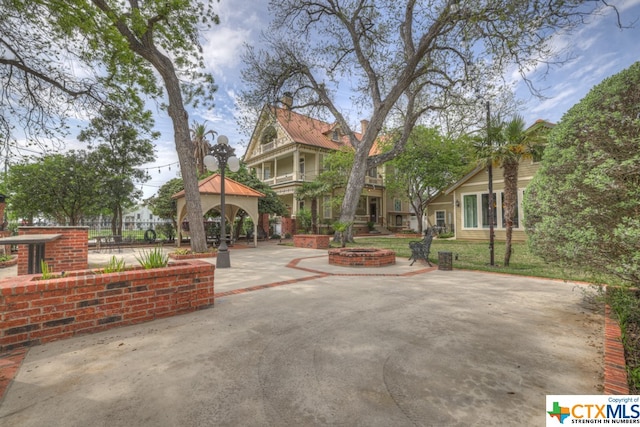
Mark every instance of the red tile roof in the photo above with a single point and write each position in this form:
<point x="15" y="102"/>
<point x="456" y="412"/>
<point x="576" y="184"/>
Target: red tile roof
<point x="211" y="185"/>
<point x="310" y="131"/>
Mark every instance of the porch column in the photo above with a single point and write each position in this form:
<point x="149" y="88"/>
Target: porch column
<point x="275" y="170"/>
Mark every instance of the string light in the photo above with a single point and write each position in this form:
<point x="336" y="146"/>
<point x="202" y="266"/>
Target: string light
<point x="168" y="165"/>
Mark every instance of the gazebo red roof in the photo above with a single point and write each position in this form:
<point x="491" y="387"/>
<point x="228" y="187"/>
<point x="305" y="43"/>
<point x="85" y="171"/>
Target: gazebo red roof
<point x="211" y="185"/>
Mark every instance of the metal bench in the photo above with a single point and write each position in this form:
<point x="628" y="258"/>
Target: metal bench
<point x="420" y="248"/>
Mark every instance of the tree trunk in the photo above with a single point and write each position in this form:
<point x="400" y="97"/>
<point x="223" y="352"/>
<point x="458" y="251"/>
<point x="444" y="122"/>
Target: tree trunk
<point x="145" y="47"/>
<point x="510" y="168"/>
<point x="419" y="209"/>
<point x="184" y="149"/>
<point x="116" y="221"/>
<point x="352" y="193"/>
<point x="314" y="215"/>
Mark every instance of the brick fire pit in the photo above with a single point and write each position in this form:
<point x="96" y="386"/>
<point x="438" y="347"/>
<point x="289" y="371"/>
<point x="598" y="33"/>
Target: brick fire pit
<point x="361" y="257"/>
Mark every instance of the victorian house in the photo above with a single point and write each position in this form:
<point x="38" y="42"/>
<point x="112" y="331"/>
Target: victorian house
<point x="287" y="149"/>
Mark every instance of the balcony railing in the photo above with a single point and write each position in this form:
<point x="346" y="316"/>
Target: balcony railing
<point x="290" y="177"/>
<point x="263" y="148"/>
<point x="373" y="181"/>
<point x="284" y="178"/>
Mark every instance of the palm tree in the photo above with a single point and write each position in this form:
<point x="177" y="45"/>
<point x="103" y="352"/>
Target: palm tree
<point x="201" y="146"/>
<point x="516" y="145"/>
<point x="312" y="190"/>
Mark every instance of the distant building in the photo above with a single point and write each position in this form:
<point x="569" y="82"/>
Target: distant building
<point x="140" y="219"/>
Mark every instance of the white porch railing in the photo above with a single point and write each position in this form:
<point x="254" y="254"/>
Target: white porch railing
<point x="263" y="148"/>
<point x="373" y="181"/>
<point x="284" y="178"/>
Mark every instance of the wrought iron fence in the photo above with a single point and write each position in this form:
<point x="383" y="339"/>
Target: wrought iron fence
<point x="133" y="232"/>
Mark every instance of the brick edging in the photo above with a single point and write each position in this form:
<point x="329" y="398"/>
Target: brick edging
<point x="615" y="371"/>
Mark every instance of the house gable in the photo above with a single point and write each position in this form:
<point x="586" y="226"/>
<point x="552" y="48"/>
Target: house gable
<point x="471" y="191"/>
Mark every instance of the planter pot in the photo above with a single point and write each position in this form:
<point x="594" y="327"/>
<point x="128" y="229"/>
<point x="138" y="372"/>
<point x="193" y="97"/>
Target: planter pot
<point x="87" y="301"/>
<point x="311" y="241"/>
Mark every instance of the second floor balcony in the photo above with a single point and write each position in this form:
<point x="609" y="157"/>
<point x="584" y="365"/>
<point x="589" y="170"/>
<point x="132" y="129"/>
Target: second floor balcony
<point x="311" y="176"/>
<point x="263" y="148"/>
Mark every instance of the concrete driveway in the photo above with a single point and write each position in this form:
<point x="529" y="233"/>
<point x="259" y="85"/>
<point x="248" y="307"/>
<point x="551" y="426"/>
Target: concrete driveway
<point x="324" y="345"/>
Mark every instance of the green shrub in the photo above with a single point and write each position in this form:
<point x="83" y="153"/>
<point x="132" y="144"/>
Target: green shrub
<point x="303" y="219"/>
<point x="153" y="258"/>
<point x="44" y="268"/>
<point x="115" y="265"/>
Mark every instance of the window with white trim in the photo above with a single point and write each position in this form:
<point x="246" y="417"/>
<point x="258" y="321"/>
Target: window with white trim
<point x="266" y="172"/>
<point x="485" y="210"/>
<point x="440" y="218"/>
<point x="475" y="210"/>
<point x="470" y="210"/>
<point x="326" y="207"/>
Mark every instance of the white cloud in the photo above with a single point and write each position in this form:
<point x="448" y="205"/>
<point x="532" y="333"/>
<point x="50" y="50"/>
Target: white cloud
<point x="222" y="49"/>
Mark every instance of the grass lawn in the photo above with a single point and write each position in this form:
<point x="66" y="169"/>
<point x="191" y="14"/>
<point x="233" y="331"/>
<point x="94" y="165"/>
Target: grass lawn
<point x="475" y="256"/>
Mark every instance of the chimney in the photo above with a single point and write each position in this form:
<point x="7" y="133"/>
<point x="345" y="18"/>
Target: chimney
<point x="287" y="100"/>
<point x="363" y="125"/>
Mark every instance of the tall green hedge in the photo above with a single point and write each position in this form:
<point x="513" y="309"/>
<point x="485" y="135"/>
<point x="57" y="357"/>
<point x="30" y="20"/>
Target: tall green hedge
<point x="583" y="206"/>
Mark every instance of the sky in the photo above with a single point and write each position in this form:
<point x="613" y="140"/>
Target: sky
<point x="598" y="49"/>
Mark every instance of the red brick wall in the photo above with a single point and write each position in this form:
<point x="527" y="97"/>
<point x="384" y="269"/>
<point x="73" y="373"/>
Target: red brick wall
<point x="351" y="258"/>
<point x="69" y="252"/>
<point x="288" y="226"/>
<point x="38" y="311"/>
<point x="615" y="372"/>
<point x="263" y="222"/>
<point x="311" y="241"/>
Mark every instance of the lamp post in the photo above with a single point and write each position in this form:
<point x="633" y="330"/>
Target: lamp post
<point x="220" y="156"/>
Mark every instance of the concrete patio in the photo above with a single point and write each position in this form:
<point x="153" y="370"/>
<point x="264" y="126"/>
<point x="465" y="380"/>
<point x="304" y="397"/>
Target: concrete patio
<point x="294" y="341"/>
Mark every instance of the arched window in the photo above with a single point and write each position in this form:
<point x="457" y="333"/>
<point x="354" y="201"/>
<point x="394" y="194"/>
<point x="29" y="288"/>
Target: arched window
<point x="268" y="135"/>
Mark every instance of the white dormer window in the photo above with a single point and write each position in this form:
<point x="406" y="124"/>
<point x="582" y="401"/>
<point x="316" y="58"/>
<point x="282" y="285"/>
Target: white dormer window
<point x="335" y="135"/>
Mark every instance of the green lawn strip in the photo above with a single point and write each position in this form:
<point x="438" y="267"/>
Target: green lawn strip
<point x="475" y="256"/>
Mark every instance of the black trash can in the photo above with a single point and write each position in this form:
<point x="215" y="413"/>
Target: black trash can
<point x="445" y="261"/>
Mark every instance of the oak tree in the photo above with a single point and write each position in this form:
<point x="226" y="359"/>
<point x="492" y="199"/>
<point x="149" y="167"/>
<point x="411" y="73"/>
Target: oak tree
<point x="399" y="60"/>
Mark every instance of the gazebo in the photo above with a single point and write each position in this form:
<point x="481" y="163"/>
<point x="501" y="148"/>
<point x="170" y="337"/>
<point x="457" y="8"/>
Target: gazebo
<point x="237" y="196"/>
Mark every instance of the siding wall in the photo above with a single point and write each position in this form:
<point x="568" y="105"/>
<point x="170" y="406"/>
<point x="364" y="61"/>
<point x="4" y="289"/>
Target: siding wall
<point x="478" y="184"/>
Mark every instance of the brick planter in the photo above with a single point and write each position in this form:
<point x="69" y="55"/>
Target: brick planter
<point x="193" y="256"/>
<point x="38" y="311"/>
<point x="10" y="263"/>
<point x="361" y="257"/>
<point x="311" y="241"/>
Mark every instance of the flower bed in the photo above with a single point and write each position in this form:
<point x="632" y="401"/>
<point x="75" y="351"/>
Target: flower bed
<point x="86" y="301"/>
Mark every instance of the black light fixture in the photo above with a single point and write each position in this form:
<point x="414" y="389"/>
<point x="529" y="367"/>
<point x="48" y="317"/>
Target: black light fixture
<point x="221" y="156"/>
